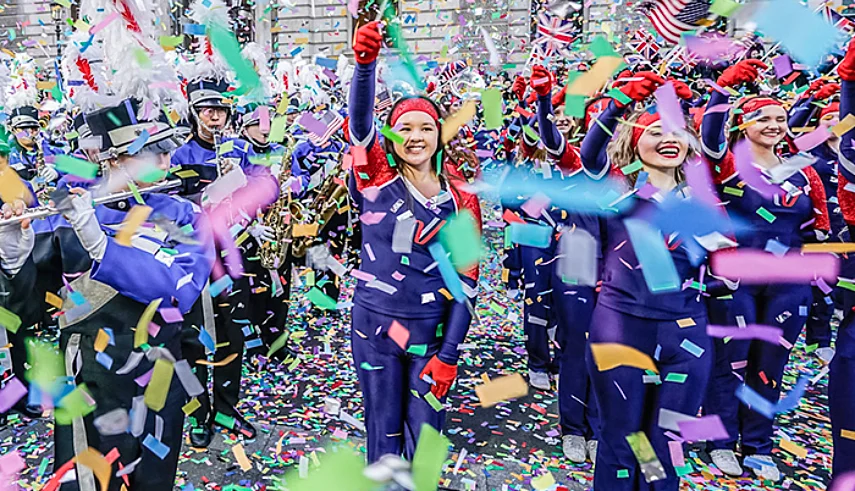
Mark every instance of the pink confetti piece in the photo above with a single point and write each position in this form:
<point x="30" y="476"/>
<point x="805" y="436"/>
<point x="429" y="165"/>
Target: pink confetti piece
<point x="362" y="275"/>
<point x="707" y="428"/>
<point x="675" y="449"/>
<point x="535" y="205"/>
<point x="759" y="267"/>
<point x="371" y="193"/>
<point x="371" y="217"/>
<point x="399" y="334"/>
<point x="752" y="176"/>
<point x="170" y="315"/>
<point x="668" y="107"/>
<point x="11" y="394"/>
<point x="144" y="379"/>
<point x="153" y="329"/>
<point x="769" y="334"/>
<point x="813" y="139"/>
<point x="104" y="23"/>
<point x="264" y="119"/>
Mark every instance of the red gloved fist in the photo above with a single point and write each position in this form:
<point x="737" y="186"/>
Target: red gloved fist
<point x="621" y="79"/>
<point x="682" y="89"/>
<point x="814" y="86"/>
<point x="366" y="44"/>
<point x="643" y="85"/>
<point x="826" y="91"/>
<point x="846" y="69"/>
<point x="541" y="80"/>
<point x="519" y="87"/>
<point x="745" y="71"/>
<point x="442" y="373"/>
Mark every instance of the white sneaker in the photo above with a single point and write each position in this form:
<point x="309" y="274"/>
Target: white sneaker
<point x="825" y="355"/>
<point x="726" y="462"/>
<point x="574" y="448"/>
<point x="767" y="472"/>
<point x="592" y="451"/>
<point x="539" y="380"/>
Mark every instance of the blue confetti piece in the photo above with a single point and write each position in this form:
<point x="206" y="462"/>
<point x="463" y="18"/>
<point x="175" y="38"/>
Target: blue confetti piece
<point x="206" y="340"/>
<point x="253" y="343"/>
<point x="77" y="298"/>
<point x="805" y="34"/>
<point x="109" y="331"/>
<point x="446" y="269"/>
<point x="104" y="359"/>
<point x="219" y="286"/>
<point x="532" y="235"/>
<point x="692" y="348"/>
<point x="138" y="143"/>
<point x="327" y="63"/>
<point x="194" y="29"/>
<point x="776" y="248"/>
<point x="657" y="266"/>
<point x="156" y="446"/>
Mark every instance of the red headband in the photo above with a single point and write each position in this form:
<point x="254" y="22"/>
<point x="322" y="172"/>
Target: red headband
<point x="834" y="107"/>
<point x="645" y="120"/>
<point x="414" y="104"/>
<point x="755" y="104"/>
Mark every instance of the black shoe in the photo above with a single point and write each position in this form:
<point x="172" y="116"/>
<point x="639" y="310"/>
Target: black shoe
<point x="240" y="427"/>
<point x="200" y="436"/>
<point x="28" y="410"/>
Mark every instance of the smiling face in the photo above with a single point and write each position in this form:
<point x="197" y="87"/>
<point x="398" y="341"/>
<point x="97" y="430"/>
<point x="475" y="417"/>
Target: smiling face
<point x="660" y="150"/>
<point x="421" y="137"/>
<point x="770" y="127"/>
<point x="563" y="122"/>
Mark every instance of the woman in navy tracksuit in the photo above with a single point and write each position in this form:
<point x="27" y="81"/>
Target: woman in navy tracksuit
<point x="815" y="106"/>
<point x="572" y="300"/>
<point x="636" y="309"/>
<point x="411" y="309"/>
<point x="794" y="215"/>
<point x="841" y="380"/>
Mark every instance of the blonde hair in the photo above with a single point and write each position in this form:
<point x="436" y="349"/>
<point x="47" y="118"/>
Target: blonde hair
<point x="622" y="153"/>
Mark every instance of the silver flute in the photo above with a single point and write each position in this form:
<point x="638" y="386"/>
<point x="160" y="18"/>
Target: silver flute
<point x="46" y="211"/>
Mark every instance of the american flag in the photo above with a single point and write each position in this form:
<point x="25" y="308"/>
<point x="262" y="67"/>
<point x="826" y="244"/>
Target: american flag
<point x="644" y="43"/>
<point x="554" y="33"/>
<point x="384" y="100"/>
<point x="671" y="18"/>
<point x="333" y="121"/>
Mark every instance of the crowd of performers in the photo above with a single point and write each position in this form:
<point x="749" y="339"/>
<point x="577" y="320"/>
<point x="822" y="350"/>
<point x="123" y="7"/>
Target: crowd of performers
<point x="176" y="256"/>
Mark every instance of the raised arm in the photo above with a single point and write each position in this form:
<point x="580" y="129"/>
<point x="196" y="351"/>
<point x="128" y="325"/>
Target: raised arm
<point x="541" y="82"/>
<point x="366" y="48"/>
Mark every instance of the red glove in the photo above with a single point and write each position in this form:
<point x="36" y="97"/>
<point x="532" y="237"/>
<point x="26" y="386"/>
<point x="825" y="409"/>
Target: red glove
<point x="620" y="80"/>
<point x="826" y="91"/>
<point x="683" y="91"/>
<point x="519" y="87"/>
<point x="846" y="70"/>
<point x="442" y="373"/>
<point x="814" y="86"/>
<point x="430" y="88"/>
<point x="541" y="80"/>
<point x="642" y="88"/>
<point x="745" y="71"/>
<point x="366" y="44"/>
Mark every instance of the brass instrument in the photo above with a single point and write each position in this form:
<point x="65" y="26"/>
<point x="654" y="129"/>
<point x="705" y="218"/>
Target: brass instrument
<point x="221" y="163"/>
<point x="323" y="207"/>
<point x="42" y="190"/>
<point x="272" y="254"/>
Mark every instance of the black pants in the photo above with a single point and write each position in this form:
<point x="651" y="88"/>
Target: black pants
<point x="268" y="306"/>
<point x="231" y="316"/>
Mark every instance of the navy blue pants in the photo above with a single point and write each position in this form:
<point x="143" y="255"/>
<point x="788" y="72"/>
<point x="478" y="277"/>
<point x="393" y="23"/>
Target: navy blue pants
<point x="628" y="405"/>
<point x="758" y="363"/>
<point x="538" y="266"/>
<point x="577" y="407"/>
<point x="841" y="380"/>
<point x="818" y="327"/>
<point x="388" y="375"/>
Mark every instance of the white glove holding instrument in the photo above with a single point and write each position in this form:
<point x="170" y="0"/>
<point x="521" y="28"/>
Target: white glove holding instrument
<point x="49" y="173"/>
<point x="16" y="239"/>
<point x="262" y="233"/>
<point x="81" y="215"/>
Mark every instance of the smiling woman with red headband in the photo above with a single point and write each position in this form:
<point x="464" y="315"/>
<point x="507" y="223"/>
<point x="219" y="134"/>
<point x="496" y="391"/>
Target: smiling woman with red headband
<point x="636" y="310"/>
<point x="406" y="328"/>
<point x="774" y="215"/>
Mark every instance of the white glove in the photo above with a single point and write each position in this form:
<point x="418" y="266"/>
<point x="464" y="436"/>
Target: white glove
<point x="48" y="173"/>
<point x="82" y="218"/>
<point x="16" y="243"/>
<point x="262" y="233"/>
<point x="285" y="187"/>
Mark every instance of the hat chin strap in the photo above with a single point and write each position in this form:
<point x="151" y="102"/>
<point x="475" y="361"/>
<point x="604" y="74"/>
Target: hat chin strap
<point x="252" y="140"/>
<point x="212" y="131"/>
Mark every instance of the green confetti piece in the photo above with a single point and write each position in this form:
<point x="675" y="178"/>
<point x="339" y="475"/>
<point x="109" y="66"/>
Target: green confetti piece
<point x="389" y="133"/>
<point x="418" y="349"/>
<point x="766" y="214"/>
<point x="224" y="420"/>
<point x="439" y="330"/>
<point x="619" y="96"/>
<point x="9" y="320"/>
<point x="277" y="129"/>
<point x="171" y="41"/>
<point x="76" y="167"/>
<point x="136" y="193"/>
<point x="431" y="452"/>
<point x="600" y="47"/>
<point x="491" y="101"/>
<point x="391" y="160"/>
<point x="340" y="468"/>
<point x="686" y="469"/>
<point x="724" y="8"/>
<point x="280" y="343"/>
<point x="433" y="401"/>
<point x="367" y="366"/>
<point x="74" y="405"/>
<point x="574" y="105"/>
<point x="46" y="365"/>
<point x="461" y="239"/>
<point x="497" y="308"/>
<point x="633" y="167"/>
<point x="531" y="133"/>
<point x="677" y="378"/>
<point x="733" y="191"/>
<point x="846" y="284"/>
<point x="405" y="260"/>
<point x="321" y="300"/>
<point x="226" y="147"/>
<point x="623" y="474"/>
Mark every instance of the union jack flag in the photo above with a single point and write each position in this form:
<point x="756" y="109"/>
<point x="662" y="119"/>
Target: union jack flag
<point x="671" y="18"/>
<point x="644" y="43"/>
<point x="554" y="33"/>
<point x="833" y="17"/>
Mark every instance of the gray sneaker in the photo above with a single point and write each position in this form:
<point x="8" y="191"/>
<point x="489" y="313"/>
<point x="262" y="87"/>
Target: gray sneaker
<point x="539" y="380"/>
<point x="574" y="448"/>
<point x="592" y="451"/>
<point x="726" y="462"/>
<point x="767" y="472"/>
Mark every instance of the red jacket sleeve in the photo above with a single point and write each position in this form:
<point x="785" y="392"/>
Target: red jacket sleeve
<point x="819" y="200"/>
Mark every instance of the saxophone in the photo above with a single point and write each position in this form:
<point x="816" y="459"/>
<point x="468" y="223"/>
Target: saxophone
<point x="43" y="190"/>
<point x="327" y="203"/>
<point x="272" y="254"/>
